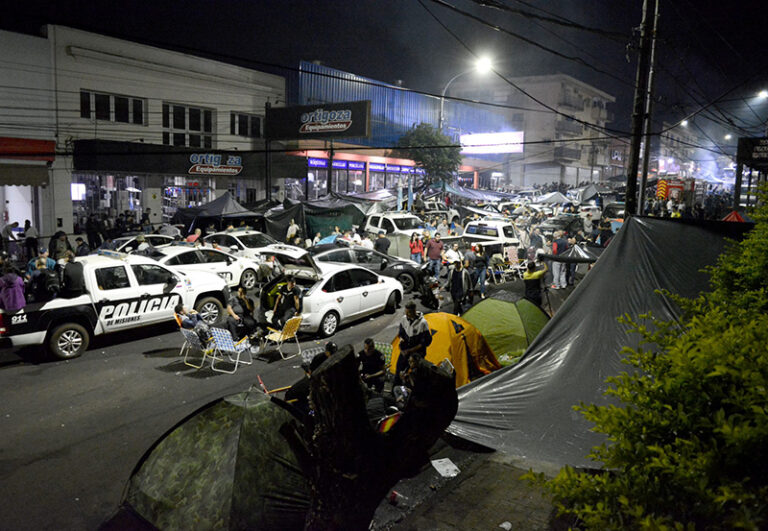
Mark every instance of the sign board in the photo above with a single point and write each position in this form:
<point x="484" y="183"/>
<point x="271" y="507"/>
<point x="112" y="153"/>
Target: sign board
<point x="326" y="120"/>
<point x="492" y="143"/>
<point x="753" y="152"/>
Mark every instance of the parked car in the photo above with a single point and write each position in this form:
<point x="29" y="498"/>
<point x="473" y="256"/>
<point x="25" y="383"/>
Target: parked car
<point x="126" y="244"/>
<point x="333" y="294"/>
<point x="405" y="271"/>
<point x="569" y="223"/>
<point x="246" y="243"/>
<point x="236" y="271"/>
<point x="121" y="292"/>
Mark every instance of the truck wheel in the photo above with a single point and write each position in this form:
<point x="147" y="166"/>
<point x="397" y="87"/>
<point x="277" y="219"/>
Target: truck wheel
<point x="248" y="279"/>
<point x="68" y="341"/>
<point x="210" y="309"/>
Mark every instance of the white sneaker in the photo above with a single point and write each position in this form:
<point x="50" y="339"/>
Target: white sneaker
<point x="255" y="349"/>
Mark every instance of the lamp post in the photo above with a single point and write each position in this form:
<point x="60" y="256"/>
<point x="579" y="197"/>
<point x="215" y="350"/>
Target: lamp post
<point x="482" y="65"/>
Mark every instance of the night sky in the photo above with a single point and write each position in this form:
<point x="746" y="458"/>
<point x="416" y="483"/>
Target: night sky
<point x="705" y="49"/>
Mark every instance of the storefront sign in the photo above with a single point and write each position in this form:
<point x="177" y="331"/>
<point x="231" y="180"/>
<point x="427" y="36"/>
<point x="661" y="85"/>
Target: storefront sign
<point x="340" y="164"/>
<point x="356" y="165"/>
<point x="375" y="166"/>
<point x="393" y="169"/>
<point x="753" y="152"/>
<point x="330" y="120"/>
<point x="210" y="164"/>
<point x="317" y="163"/>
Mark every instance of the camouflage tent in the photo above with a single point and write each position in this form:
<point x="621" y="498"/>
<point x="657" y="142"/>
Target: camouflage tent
<point x="226" y="466"/>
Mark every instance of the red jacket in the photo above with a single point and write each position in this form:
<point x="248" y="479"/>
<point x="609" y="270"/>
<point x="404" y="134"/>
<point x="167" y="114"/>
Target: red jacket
<point x="417" y="247"/>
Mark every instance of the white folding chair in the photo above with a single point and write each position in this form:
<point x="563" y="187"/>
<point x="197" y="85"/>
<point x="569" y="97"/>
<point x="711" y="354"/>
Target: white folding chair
<point x="192" y="344"/>
<point x="279" y="337"/>
<point x="225" y="349"/>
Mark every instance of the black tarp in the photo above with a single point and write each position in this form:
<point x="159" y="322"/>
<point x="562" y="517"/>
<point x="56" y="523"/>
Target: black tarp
<point x="576" y="254"/>
<point x="526" y="409"/>
<point x="321" y="216"/>
<point x="221" y="210"/>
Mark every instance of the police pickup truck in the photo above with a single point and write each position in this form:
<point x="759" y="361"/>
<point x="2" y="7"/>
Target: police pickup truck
<point x="122" y="292"/>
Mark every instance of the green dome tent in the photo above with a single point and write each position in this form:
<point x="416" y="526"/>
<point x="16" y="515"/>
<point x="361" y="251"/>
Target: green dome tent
<point x="226" y="466"/>
<point x="509" y="327"/>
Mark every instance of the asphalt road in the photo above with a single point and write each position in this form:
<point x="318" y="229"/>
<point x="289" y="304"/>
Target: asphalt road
<point x="72" y="431"/>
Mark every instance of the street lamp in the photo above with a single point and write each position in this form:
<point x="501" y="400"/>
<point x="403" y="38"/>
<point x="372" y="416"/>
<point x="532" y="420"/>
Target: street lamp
<point x="684" y="123"/>
<point x="482" y="66"/>
<point x="763" y="94"/>
<point x="728" y="136"/>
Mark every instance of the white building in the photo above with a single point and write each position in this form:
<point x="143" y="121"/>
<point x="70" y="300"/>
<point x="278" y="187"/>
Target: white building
<point x="137" y="126"/>
<point x="558" y="148"/>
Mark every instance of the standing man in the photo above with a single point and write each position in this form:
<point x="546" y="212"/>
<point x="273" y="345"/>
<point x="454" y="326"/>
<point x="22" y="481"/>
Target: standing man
<point x="459" y="285"/>
<point x="453" y="254"/>
<point x="433" y="252"/>
<point x="382" y="243"/>
<point x="559" y="246"/>
<point x="293" y="231"/>
<point x="8" y="236"/>
<point x="287" y="304"/>
<point x="72" y="277"/>
<point x="414" y="336"/>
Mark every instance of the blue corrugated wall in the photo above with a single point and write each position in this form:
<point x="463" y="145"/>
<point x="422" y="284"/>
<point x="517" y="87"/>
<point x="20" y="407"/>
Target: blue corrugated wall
<point x="394" y="110"/>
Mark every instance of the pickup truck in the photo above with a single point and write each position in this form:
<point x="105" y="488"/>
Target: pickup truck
<point x="122" y="292"/>
<point x="495" y="235"/>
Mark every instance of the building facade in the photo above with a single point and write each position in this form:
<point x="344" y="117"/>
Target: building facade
<point x="139" y="127"/>
<point x="559" y="148"/>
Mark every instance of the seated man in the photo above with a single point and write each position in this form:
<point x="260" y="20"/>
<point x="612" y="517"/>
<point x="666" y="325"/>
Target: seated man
<point x="372" y="366"/>
<point x="287" y="304"/>
<point x="240" y="321"/>
<point x="191" y="320"/>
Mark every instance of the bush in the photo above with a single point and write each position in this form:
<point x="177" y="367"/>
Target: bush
<point x="688" y="446"/>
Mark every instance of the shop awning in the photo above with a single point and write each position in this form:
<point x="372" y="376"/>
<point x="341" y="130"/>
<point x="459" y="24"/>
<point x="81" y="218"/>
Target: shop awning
<point x="23" y="175"/>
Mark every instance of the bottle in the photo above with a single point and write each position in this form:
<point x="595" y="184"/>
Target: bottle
<point x="395" y="498"/>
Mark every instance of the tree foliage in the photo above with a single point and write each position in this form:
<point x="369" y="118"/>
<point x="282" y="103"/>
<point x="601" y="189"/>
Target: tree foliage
<point x="431" y="150"/>
<point x="688" y="446"/>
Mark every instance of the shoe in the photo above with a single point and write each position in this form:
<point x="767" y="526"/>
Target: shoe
<point x="255" y="349"/>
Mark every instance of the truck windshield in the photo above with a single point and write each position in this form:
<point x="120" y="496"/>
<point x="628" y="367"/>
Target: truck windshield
<point x="256" y="240"/>
<point x="407" y="223"/>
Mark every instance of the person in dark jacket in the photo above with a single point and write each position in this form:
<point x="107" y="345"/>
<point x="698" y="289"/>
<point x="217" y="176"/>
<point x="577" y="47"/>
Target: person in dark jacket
<point x="81" y="248"/>
<point x="72" y="277"/>
<point x="372" y="365"/>
<point x="382" y="243"/>
<point x="459" y="284"/>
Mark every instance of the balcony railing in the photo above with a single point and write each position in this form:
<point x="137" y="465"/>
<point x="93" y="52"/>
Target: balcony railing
<point x="573" y="128"/>
<point x="577" y="105"/>
<point x="564" y="152"/>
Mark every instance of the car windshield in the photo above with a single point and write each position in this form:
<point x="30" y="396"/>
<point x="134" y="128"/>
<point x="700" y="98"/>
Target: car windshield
<point x="256" y="240"/>
<point x="407" y="223"/>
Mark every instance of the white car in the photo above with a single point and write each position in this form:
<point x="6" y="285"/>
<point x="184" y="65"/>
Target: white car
<point x="234" y="270"/>
<point x="126" y="244"/>
<point x="334" y="294"/>
<point x="247" y="243"/>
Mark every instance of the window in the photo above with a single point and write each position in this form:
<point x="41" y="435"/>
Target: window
<point x="151" y="274"/>
<point x="509" y="231"/>
<point x="339" y="282"/>
<point x="102" y="106"/>
<point x="375" y="221"/>
<point x="187" y="126"/>
<point x="245" y="125"/>
<point x="108" y="278"/>
<point x="361" y="277"/>
<point x="85" y="104"/>
<point x="121" y="109"/>
<point x="191" y="257"/>
<point x="112" y="108"/>
<point x="212" y="257"/>
<point x="388" y="226"/>
<point x="337" y="256"/>
<point x="368" y="257"/>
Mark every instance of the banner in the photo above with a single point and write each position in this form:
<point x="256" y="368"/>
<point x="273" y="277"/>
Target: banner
<point x="325" y="120"/>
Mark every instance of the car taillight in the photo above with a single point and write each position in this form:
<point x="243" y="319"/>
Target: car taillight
<point x="3" y="330"/>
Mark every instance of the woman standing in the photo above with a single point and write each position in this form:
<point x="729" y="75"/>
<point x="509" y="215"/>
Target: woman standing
<point x="417" y="247"/>
<point x="30" y="240"/>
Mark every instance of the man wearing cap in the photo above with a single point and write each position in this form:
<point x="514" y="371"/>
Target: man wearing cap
<point x="50" y="263"/>
<point x="81" y="248"/>
<point x="382" y="243"/>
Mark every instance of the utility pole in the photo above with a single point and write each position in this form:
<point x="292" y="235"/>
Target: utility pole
<point x="638" y="109"/>
<point x="649" y="112"/>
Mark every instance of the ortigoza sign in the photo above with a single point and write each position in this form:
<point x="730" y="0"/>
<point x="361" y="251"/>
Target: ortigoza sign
<point x="350" y="119"/>
<point x="753" y="152"/>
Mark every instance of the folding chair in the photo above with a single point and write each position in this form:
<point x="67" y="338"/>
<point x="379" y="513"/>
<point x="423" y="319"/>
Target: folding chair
<point x="224" y="348"/>
<point x="279" y="337"/>
<point x="192" y="344"/>
<point x="386" y="349"/>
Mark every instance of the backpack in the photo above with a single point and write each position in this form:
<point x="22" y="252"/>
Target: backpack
<point x="51" y="282"/>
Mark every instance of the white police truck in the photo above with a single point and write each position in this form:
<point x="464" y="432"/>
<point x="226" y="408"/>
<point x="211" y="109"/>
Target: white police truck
<point x="122" y="292"/>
